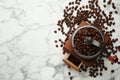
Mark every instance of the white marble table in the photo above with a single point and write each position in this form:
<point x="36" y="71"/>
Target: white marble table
<point x="27" y="50"/>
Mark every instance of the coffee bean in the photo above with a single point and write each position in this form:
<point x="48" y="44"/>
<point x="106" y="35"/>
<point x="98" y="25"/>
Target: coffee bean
<point x="104" y="1"/>
<point x="110" y="12"/>
<point x="109" y="2"/>
<point x="71" y="78"/>
<point x="100" y="74"/>
<point x="56" y="45"/>
<point x="113" y="6"/>
<point x="101" y="69"/>
<point x="94" y="76"/>
<point x="55" y="41"/>
<point x="113" y="30"/>
<point x="119" y="48"/>
<point x="70" y="3"/>
<point x="55" y="31"/>
<point x="116" y="12"/>
<point x="113" y="23"/>
<point x="86" y="6"/>
<point x="112" y="71"/>
<point x="83" y="7"/>
<point x="69" y="73"/>
<point x="76" y="7"/>
<point x="60" y="40"/>
<point x="66" y="7"/>
<point x="118" y="62"/>
<point x="61" y="45"/>
<point x="105" y="68"/>
<point x="59" y="29"/>
<point x="104" y="6"/>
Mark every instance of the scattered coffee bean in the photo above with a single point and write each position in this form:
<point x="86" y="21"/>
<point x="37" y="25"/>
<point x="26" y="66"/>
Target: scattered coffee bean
<point x="119" y="48"/>
<point x="118" y="62"/>
<point x="86" y="6"/>
<point x="113" y="30"/>
<point x="56" y="45"/>
<point x="104" y="1"/>
<point x="69" y="73"/>
<point x="104" y="6"/>
<point x="105" y="68"/>
<point x="55" y="41"/>
<point x="116" y="12"/>
<point x="59" y="29"/>
<point x="60" y="40"/>
<point x="110" y="12"/>
<point x="61" y="45"/>
<point x="55" y="31"/>
<point x="113" y="6"/>
<point x="112" y="71"/>
<point x="71" y="78"/>
<point x="100" y="74"/>
<point x="113" y="23"/>
<point x="70" y="3"/>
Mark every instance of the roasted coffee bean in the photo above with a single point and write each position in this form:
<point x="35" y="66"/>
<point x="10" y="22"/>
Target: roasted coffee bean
<point x="101" y="69"/>
<point x="104" y="6"/>
<point x="119" y="48"/>
<point x="104" y="1"/>
<point x="55" y="31"/>
<point x="118" y="62"/>
<point x="56" y="45"/>
<point x="68" y="66"/>
<point x="59" y="29"/>
<point x="94" y="76"/>
<point x="116" y="12"/>
<point x="66" y="7"/>
<point x="61" y="45"/>
<point x="113" y="23"/>
<point x="70" y="3"/>
<point x="60" y="40"/>
<point x="109" y="2"/>
<point x="83" y="7"/>
<point x="110" y="12"/>
<point x="113" y="6"/>
<point x="113" y="30"/>
<point x="76" y="7"/>
<point x="55" y="41"/>
<point x="71" y="78"/>
<point x="86" y="6"/>
<point x="69" y="73"/>
<point x="100" y="74"/>
<point x="105" y="68"/>
<point x="112" y="71"/>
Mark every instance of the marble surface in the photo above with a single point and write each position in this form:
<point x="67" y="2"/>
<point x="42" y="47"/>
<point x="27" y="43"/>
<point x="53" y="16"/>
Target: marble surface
<point x="27" y="50"/>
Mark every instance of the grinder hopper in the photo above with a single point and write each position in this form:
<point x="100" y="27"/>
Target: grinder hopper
<point x="91" y="42"/>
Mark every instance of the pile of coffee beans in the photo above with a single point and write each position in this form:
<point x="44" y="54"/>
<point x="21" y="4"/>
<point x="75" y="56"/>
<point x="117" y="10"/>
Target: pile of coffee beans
<point x="79" y="41"/>
<point x="74" y="13"/>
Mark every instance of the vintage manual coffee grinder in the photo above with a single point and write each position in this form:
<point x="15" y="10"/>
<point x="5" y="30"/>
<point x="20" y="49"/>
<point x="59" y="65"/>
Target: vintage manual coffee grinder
<point x="75" y="58"/>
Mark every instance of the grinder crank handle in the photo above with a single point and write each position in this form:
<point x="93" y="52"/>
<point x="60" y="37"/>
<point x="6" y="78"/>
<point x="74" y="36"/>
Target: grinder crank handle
<point x="105" y="53"/>
<point x="90" y="41"/>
